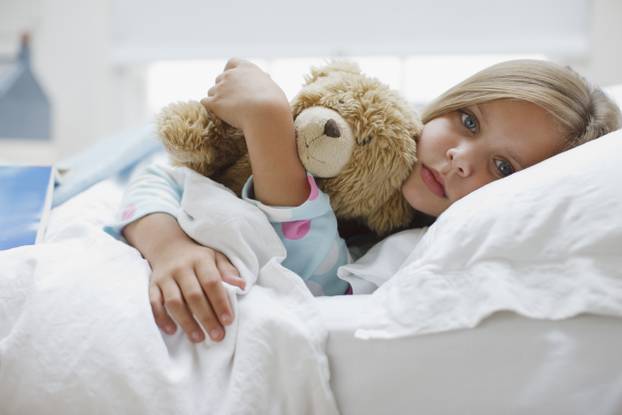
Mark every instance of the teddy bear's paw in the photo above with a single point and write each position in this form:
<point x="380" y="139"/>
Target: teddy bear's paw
<point x="181" y="124"/>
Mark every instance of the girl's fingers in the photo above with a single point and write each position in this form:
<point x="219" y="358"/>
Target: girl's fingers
<point x="211" y="281"/>
<point x="228" y="272"/>
<point x="161" y="317"/>
<point x="207" y="103"/>
<point x="234" y="280"/>
<point x="199" y="306"/>
<point x="232" y="63"/>
<point x="177" y="308"/>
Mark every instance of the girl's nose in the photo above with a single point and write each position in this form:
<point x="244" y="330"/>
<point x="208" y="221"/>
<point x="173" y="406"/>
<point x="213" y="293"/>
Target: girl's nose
<point x="459" y="162"/>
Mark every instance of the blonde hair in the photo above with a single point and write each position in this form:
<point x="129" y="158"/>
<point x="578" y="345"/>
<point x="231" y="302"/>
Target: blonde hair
<point x="582" y="110"/>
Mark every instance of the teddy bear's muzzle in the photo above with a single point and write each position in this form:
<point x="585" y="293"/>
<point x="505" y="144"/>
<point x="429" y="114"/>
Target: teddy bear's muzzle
<point x="324" y="140"/>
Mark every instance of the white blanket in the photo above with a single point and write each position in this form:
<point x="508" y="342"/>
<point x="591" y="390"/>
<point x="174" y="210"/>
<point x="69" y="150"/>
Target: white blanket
<point x="77" y="335"/>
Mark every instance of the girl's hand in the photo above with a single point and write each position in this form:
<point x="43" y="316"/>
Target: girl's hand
<point x="243" y="94"/>
<point x="187" y="278"/>
<point x="186" y="286"/>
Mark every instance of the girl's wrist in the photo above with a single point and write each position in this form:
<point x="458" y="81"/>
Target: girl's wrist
<point x="153" y="233"/>
<point x="265" y="114"/>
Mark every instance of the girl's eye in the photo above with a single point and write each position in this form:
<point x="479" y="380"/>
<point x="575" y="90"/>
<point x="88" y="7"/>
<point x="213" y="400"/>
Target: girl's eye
<point x="504" y="167"/>
<point x="469" y="121"/>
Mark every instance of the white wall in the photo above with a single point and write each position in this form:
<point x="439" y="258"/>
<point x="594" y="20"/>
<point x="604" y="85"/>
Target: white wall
<point x="70" y="47"/>
<point x="72" y="56"/>
<point x="90" y="96"/>
<point x="605" y="58"/>
<point x="278" y="28"/>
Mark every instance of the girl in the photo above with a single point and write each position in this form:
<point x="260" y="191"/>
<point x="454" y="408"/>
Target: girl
<point x="499" y="121"/>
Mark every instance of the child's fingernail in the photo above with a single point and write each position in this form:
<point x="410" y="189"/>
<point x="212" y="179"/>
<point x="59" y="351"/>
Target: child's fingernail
<point x="215" y="334"/>
<point x="196" y="336"/>
<point x="225" y="318"/>
<point x="169" y="329"/>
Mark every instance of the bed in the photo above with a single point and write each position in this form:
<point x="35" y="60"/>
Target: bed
<point x="509" y="364"/>
<point x="526" y="319"/>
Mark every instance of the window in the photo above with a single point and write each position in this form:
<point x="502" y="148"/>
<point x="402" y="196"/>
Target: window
<point x="419" y="78"/>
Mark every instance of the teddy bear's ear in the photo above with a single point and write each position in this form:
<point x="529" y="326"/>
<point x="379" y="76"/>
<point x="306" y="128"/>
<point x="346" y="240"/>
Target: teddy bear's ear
<point x="335" y="66"/>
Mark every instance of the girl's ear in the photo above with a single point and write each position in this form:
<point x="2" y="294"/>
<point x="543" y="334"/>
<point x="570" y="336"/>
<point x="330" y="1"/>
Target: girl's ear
<point x="335" y="66"/>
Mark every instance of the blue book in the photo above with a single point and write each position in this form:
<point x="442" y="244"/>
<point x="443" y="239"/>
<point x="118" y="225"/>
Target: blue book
<point x="25" y="204"/>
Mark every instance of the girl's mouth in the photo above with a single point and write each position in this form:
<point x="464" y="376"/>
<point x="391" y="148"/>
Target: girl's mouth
<point x="430" y="180"/>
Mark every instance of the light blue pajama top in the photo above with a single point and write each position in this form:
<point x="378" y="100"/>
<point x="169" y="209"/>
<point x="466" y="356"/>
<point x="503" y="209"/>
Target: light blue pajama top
<point x="308" y="231"/>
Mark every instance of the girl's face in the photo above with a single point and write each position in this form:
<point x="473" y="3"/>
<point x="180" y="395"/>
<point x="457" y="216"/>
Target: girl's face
<point x="463" y="150"/>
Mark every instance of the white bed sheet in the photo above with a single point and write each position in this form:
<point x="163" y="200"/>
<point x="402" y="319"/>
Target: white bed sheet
<point x="77" y="334"/>
<point x="507" y="365"/>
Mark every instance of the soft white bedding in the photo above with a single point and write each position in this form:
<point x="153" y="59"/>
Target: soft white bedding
<point x="77" y="335"/>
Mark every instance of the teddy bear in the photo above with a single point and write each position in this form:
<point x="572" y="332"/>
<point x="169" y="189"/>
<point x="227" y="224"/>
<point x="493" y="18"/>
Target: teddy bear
<point x="354" y="134"/>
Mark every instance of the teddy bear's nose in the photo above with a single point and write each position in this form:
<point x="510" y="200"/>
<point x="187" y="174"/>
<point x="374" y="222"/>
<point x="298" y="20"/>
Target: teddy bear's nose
<point x="331" y="129"/>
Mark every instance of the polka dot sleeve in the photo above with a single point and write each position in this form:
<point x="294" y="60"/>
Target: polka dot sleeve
<point x="155" y="189"/>
<point x="309" y="234"/>
<point x="317" y="204"/>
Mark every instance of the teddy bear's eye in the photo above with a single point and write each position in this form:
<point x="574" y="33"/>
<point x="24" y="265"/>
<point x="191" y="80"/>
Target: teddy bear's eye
<point x="366" y="140"/>
<point x="341" y="101"/>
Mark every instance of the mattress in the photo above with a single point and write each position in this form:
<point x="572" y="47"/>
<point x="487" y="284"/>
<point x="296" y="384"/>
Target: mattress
<point x="508" y="364"/>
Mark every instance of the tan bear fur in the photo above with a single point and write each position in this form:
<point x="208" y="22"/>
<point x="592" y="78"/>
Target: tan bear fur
<point x="367" y="189"/>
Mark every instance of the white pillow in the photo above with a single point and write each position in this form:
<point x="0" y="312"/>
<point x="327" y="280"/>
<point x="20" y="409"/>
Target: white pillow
<point x="381" y="262"/>
<point x="545" y="242"/>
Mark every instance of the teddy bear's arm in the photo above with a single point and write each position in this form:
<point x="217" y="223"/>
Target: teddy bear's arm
<point x="195" y="138"/>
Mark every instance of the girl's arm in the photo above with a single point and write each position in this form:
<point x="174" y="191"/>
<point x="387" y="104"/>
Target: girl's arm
<point x="245" y="97"/>
<point x="186" y="278"/>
